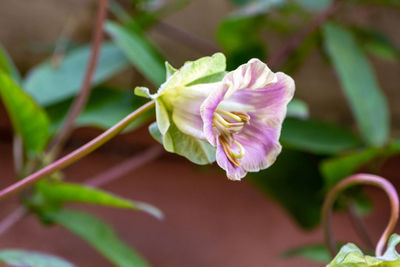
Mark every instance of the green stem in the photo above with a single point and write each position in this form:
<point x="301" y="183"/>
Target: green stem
<point x="361" y="179"/>
<point x="75" y="155"/>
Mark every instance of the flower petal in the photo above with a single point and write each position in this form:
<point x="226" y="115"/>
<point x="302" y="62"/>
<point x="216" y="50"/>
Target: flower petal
<point x="261" y="146"/>
<point x="186" y="112"/>
<point x="208" y="108"/>
<point x="253" y="75"/>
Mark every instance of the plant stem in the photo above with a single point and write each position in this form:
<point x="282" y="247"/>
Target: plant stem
<point x="12" y="219"/>
<point x="125" y="167"/>
<point x="283" y="54"/>
<point x="75" y="155"/>
<point x="80" y="101"/>
<point x="360" y="179"/>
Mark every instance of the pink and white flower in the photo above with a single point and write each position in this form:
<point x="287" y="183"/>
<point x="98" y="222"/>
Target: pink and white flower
<point x="243" y="115"/>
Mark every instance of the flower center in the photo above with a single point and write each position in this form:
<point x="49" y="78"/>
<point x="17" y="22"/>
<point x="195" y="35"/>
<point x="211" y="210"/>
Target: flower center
<point x="229" y="123"/>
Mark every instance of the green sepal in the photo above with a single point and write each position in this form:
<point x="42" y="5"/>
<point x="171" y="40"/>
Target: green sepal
<point x="143" y="92"/>
<point x="194" y="149"/>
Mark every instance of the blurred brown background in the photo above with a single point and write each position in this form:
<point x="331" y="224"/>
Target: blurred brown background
<point x="210" y="221"/>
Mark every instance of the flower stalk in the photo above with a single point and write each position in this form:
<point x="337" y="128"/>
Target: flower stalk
<point x="361" y="179"/>
<point x="76" y="154"/>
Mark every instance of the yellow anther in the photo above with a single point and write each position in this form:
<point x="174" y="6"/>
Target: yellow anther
<point x="229" y="114"/>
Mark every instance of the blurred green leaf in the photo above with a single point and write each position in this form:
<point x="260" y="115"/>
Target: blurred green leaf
<point x="335" y="169"/>
<point x="351" y="256"/>
<point x="23" y="258"/>
<point x="359" y="84"/>
<point x="314" y="5"/>
<point x="240" y="39"/>
<point x="301" y="53"/>
<point x="106" y="106"/>
<point x="8" y="67"/>
<point x="101" y="236"/>
<point x="376" y="43"/>
<point x="27" y="118"/>
<point x="139" y="50"/>
<point x="393" y="3"/>
<point x="317" y="137"/>
<point x="314" y="252"/>
<point x="297" y="109"/>
<point x="49" y="84"/>
<point x="67" y="192"/>
<point x="296" y="184"/>
<point x="257" y="7"/>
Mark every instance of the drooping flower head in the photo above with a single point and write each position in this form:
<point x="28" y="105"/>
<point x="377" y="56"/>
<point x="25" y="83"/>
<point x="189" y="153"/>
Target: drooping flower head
<point x="243" y="115"/>
<point x="206" y="114"/>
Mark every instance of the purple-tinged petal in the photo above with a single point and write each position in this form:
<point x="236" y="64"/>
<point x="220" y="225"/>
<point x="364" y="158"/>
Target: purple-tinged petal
<point x="261" y="146"/>
<point x="251" y="76"/>
<point x="207" y="110"/>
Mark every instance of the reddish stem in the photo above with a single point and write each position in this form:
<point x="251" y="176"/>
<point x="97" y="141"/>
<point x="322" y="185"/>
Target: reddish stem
<point x="75" y="155"/>
<point x="283" y="54"/>
<point x="361" y="179"/>
<point x="80" y="101"/>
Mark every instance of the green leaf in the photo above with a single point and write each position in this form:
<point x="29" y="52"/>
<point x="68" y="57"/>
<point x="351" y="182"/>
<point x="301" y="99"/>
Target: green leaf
<point x="256" y="7"/>
<point x="8" y="67"/>
<point x="393" y="3"/>
<point x="296" y="184"/>
<point x="314" y="252"/>
<point x="231" y="34"/>
<point x="195" y="150"/>
<point x="101" y="236"/>
<point x="314" y="5"/>
<point x="106" y="106"/>
<point x="139" y="50"/>
<point x="351" y="256"/>
<point x="23" y="258"/>
<point x="27" y="118"/>
<point x="297" y="109"/>
<point x="377" y="44"/>
<point x="359" y="84"/>
<point x="68" y="192"/>
<point x="391" y="252"/>
<point x="317" y="137"/>
<point x="48" y="84"/>
<point x="335" y="169"/>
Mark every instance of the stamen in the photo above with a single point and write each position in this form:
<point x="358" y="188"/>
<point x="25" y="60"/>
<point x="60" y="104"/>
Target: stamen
<point x="218" y="118"/>
<point x="229" y="114"/>
<point x="228" y="151"/>
<point x="243" y="116"/>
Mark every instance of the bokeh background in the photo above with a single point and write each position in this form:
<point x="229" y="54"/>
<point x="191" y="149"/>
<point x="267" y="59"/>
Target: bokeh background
<point x="209" y="220"/>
